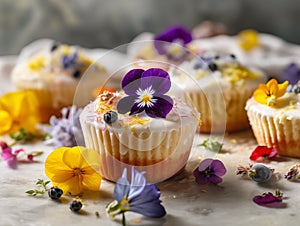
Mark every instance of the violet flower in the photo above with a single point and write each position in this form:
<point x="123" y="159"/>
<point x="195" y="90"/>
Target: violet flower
<point x="209" y="171"/>
<point x="137" y="196"/>
<point x="69" y="60"/>
<point x="291" y="73"/>
<point x="269" y="200"/>
<point x="172" y="41"/>
<point x="65" y="131"/>
<point x="9" y="155"/>
<point x="293" y="173"/>
<point x="146" y="92"/>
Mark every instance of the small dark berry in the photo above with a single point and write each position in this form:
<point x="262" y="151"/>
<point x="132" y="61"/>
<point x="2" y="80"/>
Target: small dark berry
<point x="213" y="66"/>
<point x="232" y="56"/>
<point x="55" y="193"/>
<point x="110" y="117"/>
<point x="75" y="205"/>
<point x="297" y="89"/>
<point x="217" y="57"/>
<point x="76" y="74"/>
<point x="54" y="46"/>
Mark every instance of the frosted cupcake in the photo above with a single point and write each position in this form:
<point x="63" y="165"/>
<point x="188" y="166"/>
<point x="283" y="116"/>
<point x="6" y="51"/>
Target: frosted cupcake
<point x="274" y="116"/>
<point x="266" y="52"/>
<point x="218" y="86"/>
<point x="141" y="126"/>
<point x="53" y="71"/>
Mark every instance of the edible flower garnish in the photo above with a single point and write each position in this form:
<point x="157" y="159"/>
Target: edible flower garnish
<point x="137" y="196"/>
<point x="65" y="131"/>
<point x="11" y="156"/>
<point x="293" y="173"/>
<point x="269" y="200"/>
<point x="248" y="39"/>
<point x="291" y="73"/>
<point x="209" y="171"/>
<point x="270" y="92"/>
<point x="172" y="41"/>
<point x="18" y="110"/>
<point x="263" y="153"/>
<point x="212" y="145"/>
<point x="146" y="92"/>
<point x="74" y="169"/>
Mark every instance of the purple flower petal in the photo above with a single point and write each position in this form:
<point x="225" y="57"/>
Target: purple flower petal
<point x="205" y="164"/>
<point x="132" y="81"/>
<point x="7" y="154"/>
<point x="161" y="107"/>
<point x="215" y="179"/>
<point x="148" y="203"/>
<point x="125" y="104"/>
<point x="200" y="177"/>
<point x="158" y="79"/>
<point x="218" y="168"/>
<point x="136" y="109"/>
<point x="291" y="73"/>
<point x="137" y="184"/>
<point x="3" y="145"/>
<point x="273" y="153"/>
<point x="268" y="200"/>
<point x="171" y="34"/>
<point x="12" y="162"/>
<point x="122" y="187"/>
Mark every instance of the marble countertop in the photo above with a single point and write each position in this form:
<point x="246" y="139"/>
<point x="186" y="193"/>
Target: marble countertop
<point x="186" y="202"/>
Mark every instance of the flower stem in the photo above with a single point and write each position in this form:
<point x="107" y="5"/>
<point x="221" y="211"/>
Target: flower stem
<point x="123" y="219"/>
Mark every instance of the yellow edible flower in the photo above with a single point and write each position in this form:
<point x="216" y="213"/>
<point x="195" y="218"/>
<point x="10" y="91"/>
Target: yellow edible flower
<point x="248" y="39"/>
<point x="236" y="73"/>
<point x="74" y="169"/>
<point x="270" y="92"/>
<point x="18" y="110"/>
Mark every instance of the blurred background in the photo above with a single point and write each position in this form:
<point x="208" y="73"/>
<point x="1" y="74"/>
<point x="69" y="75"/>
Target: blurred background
<point x="109" y="23"/>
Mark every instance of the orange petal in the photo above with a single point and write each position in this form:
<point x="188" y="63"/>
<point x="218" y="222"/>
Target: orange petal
<point x="92" y="181"/>
<point x="272" y="86"/>
<point x="260" y="96"/>
<point x="282" y="88"/>
<point x="6" y="122"/>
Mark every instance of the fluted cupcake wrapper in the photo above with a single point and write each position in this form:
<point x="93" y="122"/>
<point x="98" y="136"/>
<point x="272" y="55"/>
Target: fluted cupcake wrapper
<point x="161" y="154"/>
<point x="279" y="132"/>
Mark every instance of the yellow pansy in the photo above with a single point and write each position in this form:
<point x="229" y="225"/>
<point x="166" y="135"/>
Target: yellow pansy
<point x="18" y="110"/>
<point x="248" y="39"/>
<point x="74" y="169"/>
<point x="270" y="92"/>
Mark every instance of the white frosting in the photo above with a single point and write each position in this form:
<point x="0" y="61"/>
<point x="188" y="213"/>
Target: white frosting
<point x="180" y="116"/>
<point x="272" y="55"/>
<point x="188" y="78"/>
<point x="287" y="107"/>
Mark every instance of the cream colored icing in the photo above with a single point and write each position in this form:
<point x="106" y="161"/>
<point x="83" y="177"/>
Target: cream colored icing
<point x="181" y="115"/>
<point x="287" y="107"/>
<point x="272" y="55"/>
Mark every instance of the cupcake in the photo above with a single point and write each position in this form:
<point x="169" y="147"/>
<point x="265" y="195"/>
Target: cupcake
<point x="266" y="52"/>
<point x="141" y="126"/>
<point x="218" y="86"/>
<point x="274" y="115"/>
<point x="53" y="71"/>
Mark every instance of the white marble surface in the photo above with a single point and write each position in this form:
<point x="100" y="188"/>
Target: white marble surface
<point x="186" y="202"/>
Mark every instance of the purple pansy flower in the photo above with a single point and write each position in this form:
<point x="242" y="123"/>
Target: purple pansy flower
<point x="9" y="155"/>
<point x="69" y="60"/>
<point x="269" y="200"/>
<point x="291" y="73"/>
<point x="66" y="131"/>
<point x="172" y="40"/>
<point x="137" y="196"/>
<point x="209" y="171"/>
<point x="146" y="92"/>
